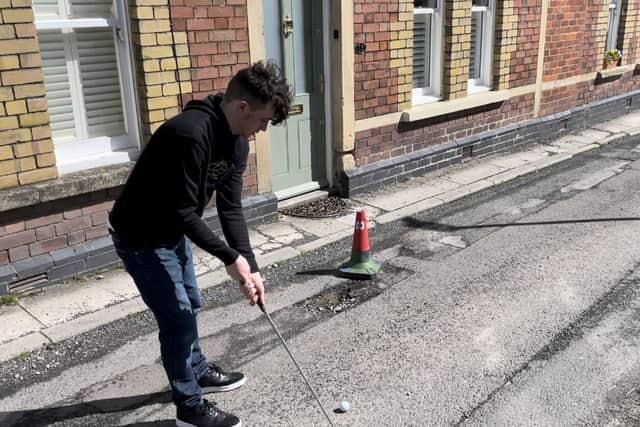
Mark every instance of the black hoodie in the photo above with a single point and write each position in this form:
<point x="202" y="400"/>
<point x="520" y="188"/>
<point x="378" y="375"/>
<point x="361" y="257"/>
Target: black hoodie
<point x="186" y="159"/>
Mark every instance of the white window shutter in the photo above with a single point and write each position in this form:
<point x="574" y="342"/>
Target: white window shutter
<point x="421" y="50"/>
<point x="56" y="81"/>
<point x="476" y="45"/>
<point x="100" y="82"/>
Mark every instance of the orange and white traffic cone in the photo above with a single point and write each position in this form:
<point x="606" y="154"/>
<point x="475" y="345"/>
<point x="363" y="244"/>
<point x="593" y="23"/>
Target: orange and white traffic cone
<point x="361" y="265"/>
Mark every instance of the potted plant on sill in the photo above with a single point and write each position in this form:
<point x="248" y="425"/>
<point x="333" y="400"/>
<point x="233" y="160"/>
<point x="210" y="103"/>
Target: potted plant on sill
<point x="612" y="58"/>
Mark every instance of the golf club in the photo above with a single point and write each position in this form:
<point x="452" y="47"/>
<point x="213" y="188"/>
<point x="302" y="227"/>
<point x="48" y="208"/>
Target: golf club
<point x="286" y="347"/>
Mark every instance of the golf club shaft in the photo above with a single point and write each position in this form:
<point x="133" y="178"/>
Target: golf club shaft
<point x="286" y="347"/>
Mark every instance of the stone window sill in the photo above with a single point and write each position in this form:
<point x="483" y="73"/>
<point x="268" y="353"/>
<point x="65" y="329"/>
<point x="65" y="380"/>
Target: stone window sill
<point x="426" y="111"/>
<point x="69" y="185"/>
<point x="614" y="72"/>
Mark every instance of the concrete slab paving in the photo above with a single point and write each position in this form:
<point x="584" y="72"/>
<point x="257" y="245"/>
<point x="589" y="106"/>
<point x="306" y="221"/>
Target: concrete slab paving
<point x="256" y="238"/>
<point x="276" y="229"/>
<point x="392" y="199"/>
<point x="324" y="226"/>
<point x="63" y="303"/>
<point x="509" y="162"/>
<point x="458" y="193"/>
<point x="409" y="210"/>
<point x="16" y="322"/>
<point x="474" y="173"/>
<point x="90" y="321"/>
<point x="512" y="174"/>
<point x="25" y="343"/>
<point x="119" y="284"/>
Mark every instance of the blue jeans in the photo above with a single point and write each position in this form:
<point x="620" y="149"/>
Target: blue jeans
<point x="166" y="280"/>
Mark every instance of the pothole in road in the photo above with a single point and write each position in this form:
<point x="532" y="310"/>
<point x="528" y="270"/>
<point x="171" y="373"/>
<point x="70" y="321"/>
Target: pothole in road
<point x="354" y="292"/>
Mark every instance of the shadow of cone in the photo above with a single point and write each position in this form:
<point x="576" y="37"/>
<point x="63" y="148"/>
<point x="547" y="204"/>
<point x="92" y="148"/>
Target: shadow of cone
<point x="361" y="265"/>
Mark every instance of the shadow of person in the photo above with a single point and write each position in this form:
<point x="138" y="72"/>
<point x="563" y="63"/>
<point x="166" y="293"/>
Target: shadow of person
<point x="437" y="226"/>
<point x="51" y="415"/>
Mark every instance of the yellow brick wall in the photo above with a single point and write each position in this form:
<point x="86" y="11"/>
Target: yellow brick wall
<point x="160" y="79"/>
<point x="506" y="25"/>
<point x="401" y="47"/>
<point x="457" y="45"/>
<point x="26" y="149"/>
<point x="601" y="30"/>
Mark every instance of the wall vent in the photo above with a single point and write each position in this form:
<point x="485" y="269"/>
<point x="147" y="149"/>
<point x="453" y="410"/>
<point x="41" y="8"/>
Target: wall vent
<point x="29" y="285"/>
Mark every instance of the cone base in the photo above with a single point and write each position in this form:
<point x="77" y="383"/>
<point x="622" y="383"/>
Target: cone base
<point x="361" y="270"/>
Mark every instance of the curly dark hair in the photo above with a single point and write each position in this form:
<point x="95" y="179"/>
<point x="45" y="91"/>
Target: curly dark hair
<point x="260" y="84"/>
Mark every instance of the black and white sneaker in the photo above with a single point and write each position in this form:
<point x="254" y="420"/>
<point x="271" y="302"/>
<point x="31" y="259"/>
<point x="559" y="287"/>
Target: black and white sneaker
<point x="206" y="415"/>
<point x="218" y="380"/>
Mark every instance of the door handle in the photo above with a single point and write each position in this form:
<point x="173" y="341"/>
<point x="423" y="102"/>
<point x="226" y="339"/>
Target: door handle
<point x="287" y="26"/>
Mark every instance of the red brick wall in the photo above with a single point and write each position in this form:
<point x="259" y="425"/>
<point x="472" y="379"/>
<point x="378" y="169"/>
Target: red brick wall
<point x="571" y="46"/>
<point x="389" y="141"/>
<point x="218" y="39"/>
<point x="568" y="97"/>
<point x="524" y="60"/>
<point x="33" y="231"/>
<point x="376" y="83"/>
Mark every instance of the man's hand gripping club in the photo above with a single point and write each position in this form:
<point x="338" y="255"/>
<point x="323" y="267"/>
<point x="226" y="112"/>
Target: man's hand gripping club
<point x="251" y="283"/>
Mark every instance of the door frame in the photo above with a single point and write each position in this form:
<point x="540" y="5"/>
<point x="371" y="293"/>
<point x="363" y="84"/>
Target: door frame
<point x="262" y="146"/>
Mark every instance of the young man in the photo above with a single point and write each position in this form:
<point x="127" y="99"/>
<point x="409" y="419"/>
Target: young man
<point x="202" y="150"/>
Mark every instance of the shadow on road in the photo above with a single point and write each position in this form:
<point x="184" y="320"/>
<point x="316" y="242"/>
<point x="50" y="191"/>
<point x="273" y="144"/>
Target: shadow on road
<point x="436" y="226"/>
<point x="51" y="415"/>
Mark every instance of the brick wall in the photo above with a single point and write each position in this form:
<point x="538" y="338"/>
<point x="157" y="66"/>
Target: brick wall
<point x="160" y="78"/>
<point x="375" y="80"/>
<point x="457" y="44"/>
<point x="37" y="230"/>
<point x="575" y="38"/>
<point x="218" y="43"/>
<point x="390" y="141"/>
<point x="524" y="59"/>
<point x="26" y="149"/>
<point x="217" y="33"/>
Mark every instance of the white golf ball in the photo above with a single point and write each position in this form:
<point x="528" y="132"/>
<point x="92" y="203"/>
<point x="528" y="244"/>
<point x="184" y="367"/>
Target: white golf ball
<point x="344" y="406"/>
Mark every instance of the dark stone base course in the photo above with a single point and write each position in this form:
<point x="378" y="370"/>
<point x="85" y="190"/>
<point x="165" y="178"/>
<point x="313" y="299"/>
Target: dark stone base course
<point x="98" y="254"/>
<point x="509" y="138"/>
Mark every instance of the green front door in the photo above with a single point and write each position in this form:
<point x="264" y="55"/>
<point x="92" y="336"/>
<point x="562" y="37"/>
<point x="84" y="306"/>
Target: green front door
<point x="293" y="39"/>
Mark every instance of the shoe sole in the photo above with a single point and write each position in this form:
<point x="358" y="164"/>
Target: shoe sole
<point x="186" y="424"/>
<point x="228" y="387"/>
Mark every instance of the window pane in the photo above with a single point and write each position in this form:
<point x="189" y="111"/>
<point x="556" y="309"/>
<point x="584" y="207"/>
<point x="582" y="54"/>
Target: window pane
<point x="430" y="4"/>
<point x="421" y="50"/>
<point x="46" y="9"/>
<point x="273" y="47"/>
<point x="611" y="26"/>
<point x="100" y="82"/>
<point x="91" y="8"/>
<point x="302" y="44"/>
<point x="475" y="59"/>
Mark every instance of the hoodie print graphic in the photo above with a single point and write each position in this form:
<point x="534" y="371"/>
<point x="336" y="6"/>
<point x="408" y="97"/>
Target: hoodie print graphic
<point x="216" y="170"/>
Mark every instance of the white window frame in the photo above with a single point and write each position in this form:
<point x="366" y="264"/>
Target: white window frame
<point x="431" y="93"/>
<point x="84" y="152"/>
<point x="483" y="84"/>
<point x="613" y="25"/>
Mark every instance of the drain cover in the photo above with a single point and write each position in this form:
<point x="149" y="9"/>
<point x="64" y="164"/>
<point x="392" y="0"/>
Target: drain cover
<point x="319" y="208"/>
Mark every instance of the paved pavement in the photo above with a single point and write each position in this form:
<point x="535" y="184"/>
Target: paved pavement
<point x="83" y="304"/>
